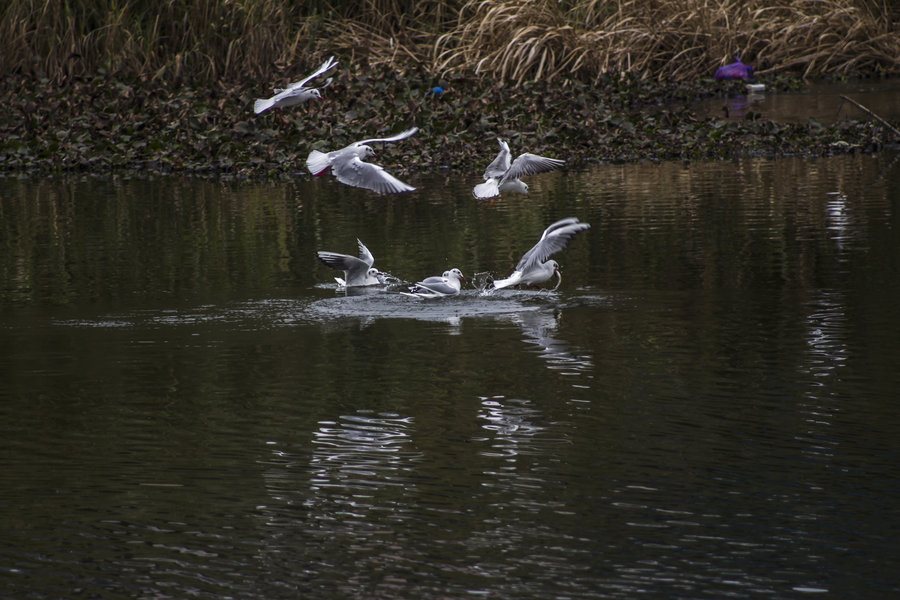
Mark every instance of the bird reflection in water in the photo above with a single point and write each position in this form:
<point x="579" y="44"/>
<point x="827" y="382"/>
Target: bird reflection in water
<point x="539" y="328"/>
<point x="825" y="358"/>
<point x="511" y="423"/>
<point x="362" y="451"/>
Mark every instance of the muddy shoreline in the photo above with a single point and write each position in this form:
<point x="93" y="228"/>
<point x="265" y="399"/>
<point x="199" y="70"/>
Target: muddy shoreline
<point x="111" y="127"/>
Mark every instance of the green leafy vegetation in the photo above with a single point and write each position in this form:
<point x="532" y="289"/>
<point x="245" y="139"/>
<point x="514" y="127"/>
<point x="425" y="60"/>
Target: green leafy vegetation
<point x="168" y="87"/>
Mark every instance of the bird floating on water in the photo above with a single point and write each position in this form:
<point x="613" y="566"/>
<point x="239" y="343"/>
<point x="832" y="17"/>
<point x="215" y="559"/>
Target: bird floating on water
<point x="502" y="175"/>
<point x="438" y="286"/>
<point x="295" y="93"/>
<point x="357" y="271"/>
<point x="532" y="268"/>
<point x="349" y="167"/>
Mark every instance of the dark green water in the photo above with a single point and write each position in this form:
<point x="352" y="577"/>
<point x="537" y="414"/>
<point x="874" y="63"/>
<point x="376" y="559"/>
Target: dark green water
<point x="708" y="406"/>
<point x="823" y="102"/>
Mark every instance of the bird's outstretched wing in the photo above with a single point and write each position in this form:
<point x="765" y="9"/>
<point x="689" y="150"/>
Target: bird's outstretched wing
<point x="342" y="262"/>
<point x="394" y="138"/>
<point x="529" y="164"/>
<point x="357" y="173"/>
<point x="364" y="254"/>
<point x="500" y="164"/>
<point x="554" y="239"/>
<point x="326" y="66"/>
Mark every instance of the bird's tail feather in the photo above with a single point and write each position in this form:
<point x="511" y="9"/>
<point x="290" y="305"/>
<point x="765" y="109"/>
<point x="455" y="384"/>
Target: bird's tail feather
<point x="488" y="189"/>
<point x="499" y="284"/>
<point x="317" y="162"/>
<point x="262" y="105"/>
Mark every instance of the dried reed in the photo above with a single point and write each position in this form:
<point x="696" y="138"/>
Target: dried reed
<point x="522" y="40"/>
<point x="205" y="41"/>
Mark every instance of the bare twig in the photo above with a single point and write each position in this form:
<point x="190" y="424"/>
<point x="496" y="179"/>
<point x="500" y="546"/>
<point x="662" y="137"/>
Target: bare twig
<point x="866" y="110"/>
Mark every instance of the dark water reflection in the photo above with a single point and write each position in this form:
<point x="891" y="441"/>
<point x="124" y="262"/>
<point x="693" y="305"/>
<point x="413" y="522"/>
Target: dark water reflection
<point x="821" y="102"/>
<point x="706" y="408"/>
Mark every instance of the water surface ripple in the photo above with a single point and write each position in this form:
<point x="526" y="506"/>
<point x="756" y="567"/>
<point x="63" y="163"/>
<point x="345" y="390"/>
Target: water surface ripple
<point x="706" y="407"/>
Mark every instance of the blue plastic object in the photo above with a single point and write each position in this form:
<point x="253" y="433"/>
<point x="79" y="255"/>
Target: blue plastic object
<point x="736" y="70"/>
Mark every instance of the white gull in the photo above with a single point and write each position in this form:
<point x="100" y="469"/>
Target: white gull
<point x="349" y="167"/>
<point x="503" y="175"/>
<point x="295" y="93"/>
<point x="532" y="268"/>
<point x="357" y="271"/>
<point x="438" y="286"/>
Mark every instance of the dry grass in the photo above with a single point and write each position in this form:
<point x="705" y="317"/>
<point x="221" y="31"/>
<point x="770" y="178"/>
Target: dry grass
<point x="206" y="41"/>
<point x="521" y="40"/>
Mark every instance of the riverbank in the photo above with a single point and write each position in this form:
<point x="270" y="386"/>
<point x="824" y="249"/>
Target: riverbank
<point x="109" y="126"/>
<point x="110" y="87"/>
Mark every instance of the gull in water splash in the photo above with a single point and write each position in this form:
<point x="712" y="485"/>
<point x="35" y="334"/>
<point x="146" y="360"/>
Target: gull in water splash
<point x="438" y="286"/>
<point x="349" y="167"/>
<point x="532" y="268"/>
<point x="503" y="176"/>
<point x="295" y="93"/>
<point x="357" y="271"/>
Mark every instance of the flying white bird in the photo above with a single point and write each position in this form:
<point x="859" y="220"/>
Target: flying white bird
<point x="532" y="269"/>
<point x="503" y="176"/>
<point x="438" y="286"/>
<point x="349" y="167"/>
<point x="295" y="93"/>
<point x="357" y="271"/>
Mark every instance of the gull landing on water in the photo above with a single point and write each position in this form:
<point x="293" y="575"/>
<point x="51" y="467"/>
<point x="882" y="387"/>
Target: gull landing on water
<point x="349" y="167"/>
<point x="438" y="286"/>
<point x="532" y="269"/>
<point x="503" y="176"/>
<point x="357" y="271"/>
<point x="295" y="93"/>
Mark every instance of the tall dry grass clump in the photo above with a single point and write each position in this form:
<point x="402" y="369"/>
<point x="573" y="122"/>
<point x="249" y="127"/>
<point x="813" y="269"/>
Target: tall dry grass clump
<point x="519" y="40"/>
<point x="206" y="41"/>
<point x="210" y="40"/>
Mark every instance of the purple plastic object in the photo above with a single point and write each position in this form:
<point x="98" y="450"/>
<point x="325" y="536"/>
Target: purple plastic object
<point x="736" y="70"/>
